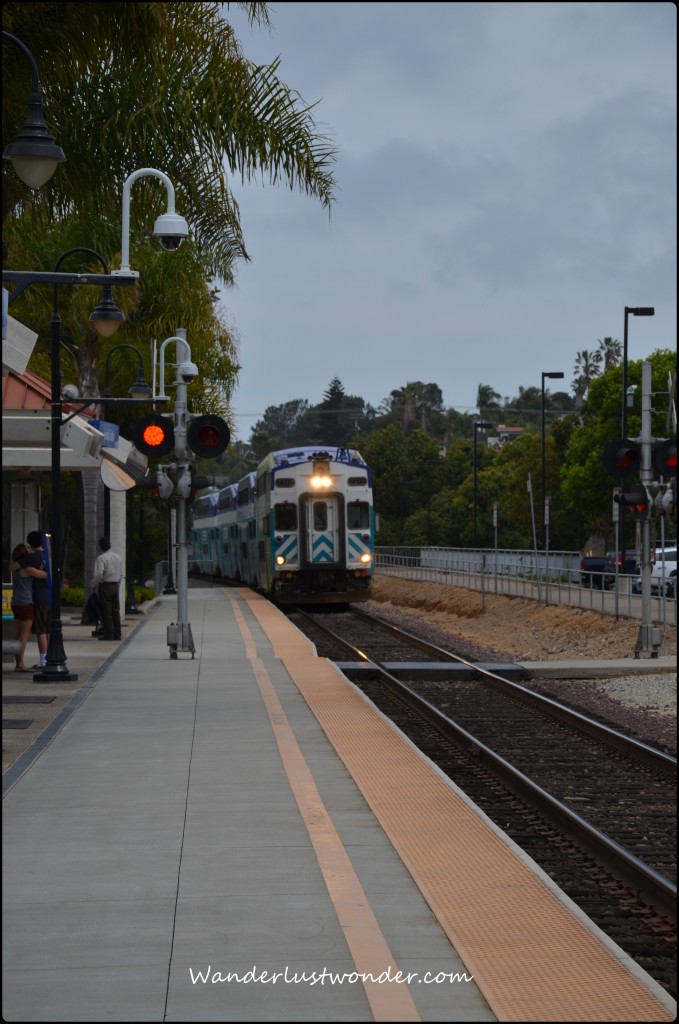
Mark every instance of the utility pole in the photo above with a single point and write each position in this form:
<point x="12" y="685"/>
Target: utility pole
<point x="648" y="639"/>
<point x="192" y="437"/>
<point x="179" y="636"/>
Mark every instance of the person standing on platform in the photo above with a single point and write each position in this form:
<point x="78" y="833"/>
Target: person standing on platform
<point x="108" y="572"/>
<point x="42" y="597"/>
<point x="22" y="601"/>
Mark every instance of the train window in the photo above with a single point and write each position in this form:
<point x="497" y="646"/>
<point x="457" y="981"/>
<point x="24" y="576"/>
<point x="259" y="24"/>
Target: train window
<point x="320" y="515"/>
<point x="285" y="481"/>
<point x="358" y="515"/>
<point x="225" y="548"/>
<point x="357" y="481"/>
<point x="285" y="516"/>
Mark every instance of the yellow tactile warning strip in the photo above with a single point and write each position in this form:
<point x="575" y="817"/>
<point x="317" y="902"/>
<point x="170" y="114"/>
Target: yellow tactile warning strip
<point x="530" y="956"/>
<point x="367" y="945"/>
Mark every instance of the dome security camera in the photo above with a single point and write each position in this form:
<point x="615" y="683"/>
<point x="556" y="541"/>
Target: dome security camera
<point x="171" y="229"/>
<point x="187" y="372"/>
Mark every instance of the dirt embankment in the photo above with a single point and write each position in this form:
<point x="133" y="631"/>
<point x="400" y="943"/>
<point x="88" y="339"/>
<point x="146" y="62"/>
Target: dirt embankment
<point x="514" y="626"/>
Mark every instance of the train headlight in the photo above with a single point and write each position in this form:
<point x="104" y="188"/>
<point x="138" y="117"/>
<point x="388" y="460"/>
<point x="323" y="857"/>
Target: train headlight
<point x="366" y="559"/>
<point x="318" y="481"/>
<point x="280" y="560"/>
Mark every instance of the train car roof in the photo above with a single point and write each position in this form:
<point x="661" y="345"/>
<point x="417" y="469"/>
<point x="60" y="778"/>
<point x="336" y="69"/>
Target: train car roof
<point x="295" y="456"/>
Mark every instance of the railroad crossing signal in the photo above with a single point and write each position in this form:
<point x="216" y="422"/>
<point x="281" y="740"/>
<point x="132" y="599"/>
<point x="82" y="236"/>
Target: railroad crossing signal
<point x="665" y="458"/>
<point x="159" y="482"/>
<point x="154" y="435"/>
<point x="208" y="436"/>
<point x="622" y="458"/>
<point x="636" y="500"/>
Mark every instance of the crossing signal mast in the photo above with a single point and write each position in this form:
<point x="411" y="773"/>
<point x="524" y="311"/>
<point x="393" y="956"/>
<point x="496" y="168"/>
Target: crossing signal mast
<point x="190" y="437"/>
<point x="624" y="458"/>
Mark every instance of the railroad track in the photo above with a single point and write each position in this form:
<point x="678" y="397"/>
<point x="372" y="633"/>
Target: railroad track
<point x="592" y="807"/>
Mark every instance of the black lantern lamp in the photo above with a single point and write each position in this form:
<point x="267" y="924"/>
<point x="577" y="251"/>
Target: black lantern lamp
<point x="34" y="153"/>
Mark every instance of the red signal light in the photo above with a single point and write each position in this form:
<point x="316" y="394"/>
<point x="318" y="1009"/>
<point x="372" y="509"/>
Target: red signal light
<point x="208" y="436"/>
<point x="622" y="458"/>
<point x="153" y="435"/>
<point x="665" y="458"/>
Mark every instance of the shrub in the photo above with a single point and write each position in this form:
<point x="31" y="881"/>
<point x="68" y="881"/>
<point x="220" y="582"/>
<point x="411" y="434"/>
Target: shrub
<point x="74" y="597"/>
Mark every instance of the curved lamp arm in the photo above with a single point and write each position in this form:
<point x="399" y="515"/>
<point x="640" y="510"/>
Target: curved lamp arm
<point x="127" y="187"/>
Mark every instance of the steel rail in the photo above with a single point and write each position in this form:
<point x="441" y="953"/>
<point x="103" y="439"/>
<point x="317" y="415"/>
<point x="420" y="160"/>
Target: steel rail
<point x="658" y="890"/>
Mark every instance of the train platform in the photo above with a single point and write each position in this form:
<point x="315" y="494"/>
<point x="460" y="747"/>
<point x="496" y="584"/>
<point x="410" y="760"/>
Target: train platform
<point x="241" y="836"/>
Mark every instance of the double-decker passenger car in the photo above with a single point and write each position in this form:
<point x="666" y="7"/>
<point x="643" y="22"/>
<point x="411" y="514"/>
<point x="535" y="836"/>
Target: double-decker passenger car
<point x="303" y="527"/>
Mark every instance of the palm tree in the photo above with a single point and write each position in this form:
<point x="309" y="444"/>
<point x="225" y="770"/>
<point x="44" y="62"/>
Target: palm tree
<point x="486" y="398"/>
<point x="130" y="85"/>
<point x="610" y="350"/>
<point x="587" y="366"/>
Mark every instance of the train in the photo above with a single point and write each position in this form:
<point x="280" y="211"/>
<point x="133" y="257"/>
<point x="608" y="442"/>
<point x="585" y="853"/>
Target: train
<point x="300" y="528"/>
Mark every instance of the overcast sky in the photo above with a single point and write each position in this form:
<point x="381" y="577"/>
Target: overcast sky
<point x="506" y="186"/>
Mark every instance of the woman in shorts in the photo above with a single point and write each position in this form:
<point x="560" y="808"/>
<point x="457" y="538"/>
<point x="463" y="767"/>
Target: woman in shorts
<point x="22" y="602"/>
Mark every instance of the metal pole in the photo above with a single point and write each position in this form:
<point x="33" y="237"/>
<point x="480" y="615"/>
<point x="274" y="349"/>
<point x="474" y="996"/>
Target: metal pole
<point x="543" y="487"/>
<point x="620" y="552"/>
<point x="495" y="518"/>
<point x="130" y="599"/>
<point x="56" y="668"/>
<point x="181" y="638"/>
<point x="169" y="583"/>
<point x="107" y="512"/>
<point x="529" y="486"/>
<point x="475" y="493"/>
<point x="648" y="639"/>
<point x="547" y="504"/>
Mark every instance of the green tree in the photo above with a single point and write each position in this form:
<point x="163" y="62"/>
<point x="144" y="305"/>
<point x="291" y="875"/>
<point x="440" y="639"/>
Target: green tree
<point x="610" y="351"/>
<point x="587" y="487"/>
<point x="130" y="85"/>
<point x="283" y="426"/>
<point x="414" y="406"/>
<point x="587" y="367"/>
<point x="487" y="398"/>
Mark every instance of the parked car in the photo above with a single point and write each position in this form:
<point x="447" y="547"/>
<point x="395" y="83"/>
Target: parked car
<point x="662" y="569"/>
<point x="592" y="571"/>
<point x="627" y="564"/>
<point x="665" y="570"/>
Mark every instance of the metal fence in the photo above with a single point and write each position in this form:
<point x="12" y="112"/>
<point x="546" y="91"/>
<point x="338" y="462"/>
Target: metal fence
<point x="550" y="578"/>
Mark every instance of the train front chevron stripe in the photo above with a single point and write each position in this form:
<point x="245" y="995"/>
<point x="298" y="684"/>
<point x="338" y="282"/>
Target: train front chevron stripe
<point x="323" y="549"/>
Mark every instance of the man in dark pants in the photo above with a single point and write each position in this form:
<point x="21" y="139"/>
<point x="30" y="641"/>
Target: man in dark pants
<point x="108" y="571"/>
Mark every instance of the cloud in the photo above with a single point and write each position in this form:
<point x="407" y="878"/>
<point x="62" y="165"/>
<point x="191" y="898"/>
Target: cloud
<point x="506" y="185"/>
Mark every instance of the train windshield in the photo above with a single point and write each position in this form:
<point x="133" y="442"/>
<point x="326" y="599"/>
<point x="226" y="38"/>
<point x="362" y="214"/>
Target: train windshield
<point x="285" y="516"/>
<point x="358" y="515"/>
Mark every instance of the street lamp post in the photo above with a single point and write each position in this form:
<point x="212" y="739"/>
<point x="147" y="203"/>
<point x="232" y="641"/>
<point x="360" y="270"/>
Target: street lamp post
<point x="478" y="425"/>
<point x="629" y="311"/>
<point x="34" y="153"/>
<point x="550" y="376"/>
<point x="106" y="318"/>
